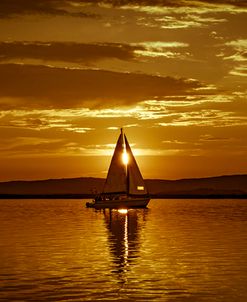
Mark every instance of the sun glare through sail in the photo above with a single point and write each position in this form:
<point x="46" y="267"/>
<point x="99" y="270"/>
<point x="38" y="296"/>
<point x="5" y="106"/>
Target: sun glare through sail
<point x="123" y="211"/>
<point x="125" y="157"/>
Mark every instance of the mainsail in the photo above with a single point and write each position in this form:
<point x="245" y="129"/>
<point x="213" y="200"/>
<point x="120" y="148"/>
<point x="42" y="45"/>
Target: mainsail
<point x="136" y="184"/>
<point x="116" y="181"/>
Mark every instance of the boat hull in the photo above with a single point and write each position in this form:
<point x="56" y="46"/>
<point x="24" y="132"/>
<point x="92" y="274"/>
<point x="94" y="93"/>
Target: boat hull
<point x="119" y="204"/>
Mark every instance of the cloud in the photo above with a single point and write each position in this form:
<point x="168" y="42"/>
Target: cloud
<point x="205" y="118"/>
<point x="182" y="19"/>
<point x="240" y="71"/>
<point x="200" y="111"/>
<point x="174" y="111"/>
<point x="178" y="14"/>
<point x="240" y="48"/>
<point x="41" y="120"/>
<point x="239" y="45"/>
<point x="239" y="57"/>
<point x="10" y="8"/>
<point x="161" y="49"/>
<point x="83" y="53"/>
<point x="26" y="143"/>
<point x="77" y="8"/>
<point x="169" y="3"/>
<point x="211" y="138"/>
<point x="173" y="127"/>
<point x="65" y="51"/>
<point x="51" y="87"/>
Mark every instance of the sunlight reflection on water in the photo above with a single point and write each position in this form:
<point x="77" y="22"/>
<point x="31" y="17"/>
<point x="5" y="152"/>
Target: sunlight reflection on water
<point x="177" y="250"/>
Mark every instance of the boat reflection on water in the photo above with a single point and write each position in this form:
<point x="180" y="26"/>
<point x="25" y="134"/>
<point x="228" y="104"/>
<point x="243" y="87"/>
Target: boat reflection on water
<point x="124" y="228"/>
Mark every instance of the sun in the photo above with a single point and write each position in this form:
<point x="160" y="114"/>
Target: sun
<point x="125" y="158"/>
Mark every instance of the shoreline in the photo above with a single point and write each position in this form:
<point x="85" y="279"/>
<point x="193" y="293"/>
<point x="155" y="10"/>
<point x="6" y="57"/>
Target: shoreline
<point x="152" y="196"/>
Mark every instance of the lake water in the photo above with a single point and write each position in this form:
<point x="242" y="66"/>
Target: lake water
<point x="177" y="250"/>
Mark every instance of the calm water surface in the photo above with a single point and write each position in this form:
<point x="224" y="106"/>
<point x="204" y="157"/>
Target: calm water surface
<point x="177" y="250"/>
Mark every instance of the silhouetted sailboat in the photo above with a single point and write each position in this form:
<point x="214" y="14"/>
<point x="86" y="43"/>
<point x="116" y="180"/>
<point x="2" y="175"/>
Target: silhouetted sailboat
<point x="124" y="186"/>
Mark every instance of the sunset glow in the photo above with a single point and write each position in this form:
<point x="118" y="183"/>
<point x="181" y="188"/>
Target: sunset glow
<point x="171" y="73"/>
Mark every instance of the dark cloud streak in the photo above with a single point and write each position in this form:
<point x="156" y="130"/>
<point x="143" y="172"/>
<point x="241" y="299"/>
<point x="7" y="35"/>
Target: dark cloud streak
<point x="169" y="3"/>
<point x="66" y="51"/>
<point x="46" y="87"/>
<point x="11" y="8"/>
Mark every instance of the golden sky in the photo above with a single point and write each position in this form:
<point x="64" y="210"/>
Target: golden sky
<point x="172" y="73"/>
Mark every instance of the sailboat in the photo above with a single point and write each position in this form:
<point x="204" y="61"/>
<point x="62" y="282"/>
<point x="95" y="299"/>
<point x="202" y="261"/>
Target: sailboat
<point x="124" y="186"/>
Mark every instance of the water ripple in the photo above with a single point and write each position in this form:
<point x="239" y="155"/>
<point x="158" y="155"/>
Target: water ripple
<point x="177" y="250"/>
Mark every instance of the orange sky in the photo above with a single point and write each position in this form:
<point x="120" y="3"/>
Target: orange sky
<point x="172" y="73"/>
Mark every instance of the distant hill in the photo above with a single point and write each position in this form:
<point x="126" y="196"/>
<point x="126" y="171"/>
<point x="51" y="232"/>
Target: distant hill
<point x="229" y="185"/>
<point x="221" y="186"/>
<point x="65" y="186"/>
